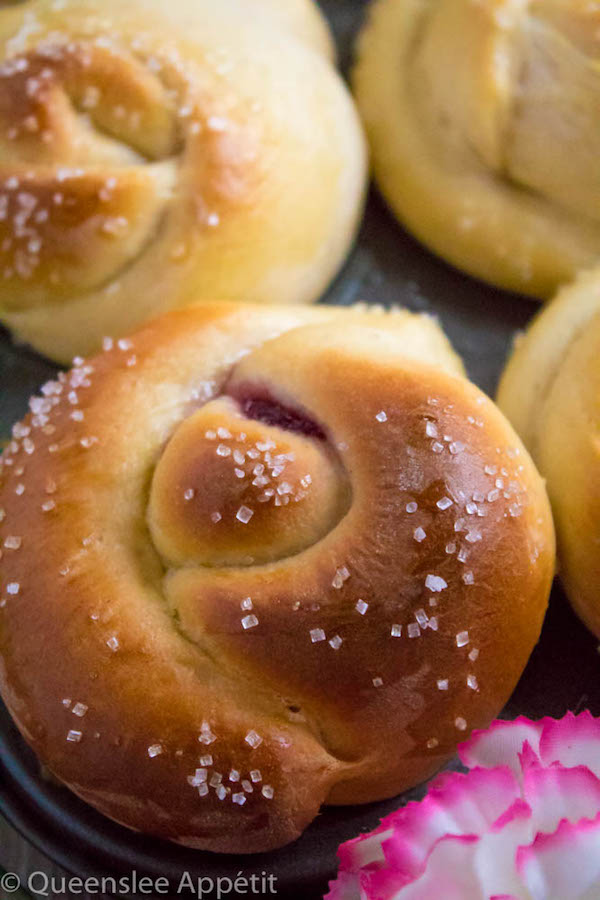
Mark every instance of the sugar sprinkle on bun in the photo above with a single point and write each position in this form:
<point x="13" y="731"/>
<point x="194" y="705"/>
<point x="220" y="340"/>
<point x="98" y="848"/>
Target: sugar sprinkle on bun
<point x="257" y="559"/>
<point x="158" y="154"/>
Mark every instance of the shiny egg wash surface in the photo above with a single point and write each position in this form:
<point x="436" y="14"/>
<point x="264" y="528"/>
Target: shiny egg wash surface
<point x="254" y="561"/>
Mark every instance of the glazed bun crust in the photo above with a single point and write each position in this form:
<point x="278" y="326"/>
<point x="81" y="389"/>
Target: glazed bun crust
<point x="550" y="392"/>
<point x="160" y="153"/>
<point x="291" y="548"/>
<point x="483" y="124"/>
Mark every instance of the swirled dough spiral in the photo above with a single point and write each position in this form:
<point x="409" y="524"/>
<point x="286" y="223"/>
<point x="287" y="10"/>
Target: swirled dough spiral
<point x="258" y="559"/>
<point x="484" y="121"/>
<point x="153" y="154"/>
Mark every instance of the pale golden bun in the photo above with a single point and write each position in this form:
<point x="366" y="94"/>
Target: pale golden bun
<point x="211" y="536"/>
<point x="484" y="123"/>
<point x="154" y="153"/>
<point x="551" y="392"/>
<point x="300" y="18"/>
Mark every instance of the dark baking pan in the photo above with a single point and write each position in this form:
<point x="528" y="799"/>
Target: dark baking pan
<point x="387" y="267"/>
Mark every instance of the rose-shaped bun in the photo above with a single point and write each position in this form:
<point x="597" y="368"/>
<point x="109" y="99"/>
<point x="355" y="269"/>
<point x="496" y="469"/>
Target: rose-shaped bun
<point x="484" y="122"/>
<point x="550" y="390"/>
<point x="258" y="559"/>
<point x="153" y="154"/>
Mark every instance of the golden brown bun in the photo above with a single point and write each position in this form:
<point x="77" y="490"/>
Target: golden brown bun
<point x="550" y="390"/>
<point x="222" y="524"/>
<point x="484" y="123"/>
<point x="146" y="163"/>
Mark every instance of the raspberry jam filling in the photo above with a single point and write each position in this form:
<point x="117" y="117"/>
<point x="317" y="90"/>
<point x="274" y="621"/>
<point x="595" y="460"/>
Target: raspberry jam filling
<point x="261" y="406"/>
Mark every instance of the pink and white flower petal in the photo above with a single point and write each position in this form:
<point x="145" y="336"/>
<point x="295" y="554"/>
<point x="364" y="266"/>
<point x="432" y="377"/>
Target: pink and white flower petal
<point x="501" y="744"/>
<point x="523" y="825"/>
<point x="366" y="849"/>
<point x="528" y="757"/>
<point x="495" y="859"/>
<point x="564" y="865"/>
<point x="490" y="858"/>
<point x="572" y="741"/>
<point x="555" y="794"/>
<point x="457" y="805"/>
<point x="451" y="854"/>
<point x="345" y="887"/>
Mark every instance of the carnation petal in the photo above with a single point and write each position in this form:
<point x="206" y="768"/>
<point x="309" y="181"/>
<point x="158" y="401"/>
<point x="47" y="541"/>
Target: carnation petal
<point x="556" y="793"/>
<point x="345" y="887"/>
<point x="458" y="804"/>
<point x="528" y="757"/>
<point x="451" y="853"/>
<point x="366" y="849"/>
<point x="495" y="858"/>
<point x="572" y="741"/>
<point x="501" y="744"/>
<point x="523" y="824"/>
<point x="564" y="865"/>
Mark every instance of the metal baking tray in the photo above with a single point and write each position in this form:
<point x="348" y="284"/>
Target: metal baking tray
<point x="386" y="266"/>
